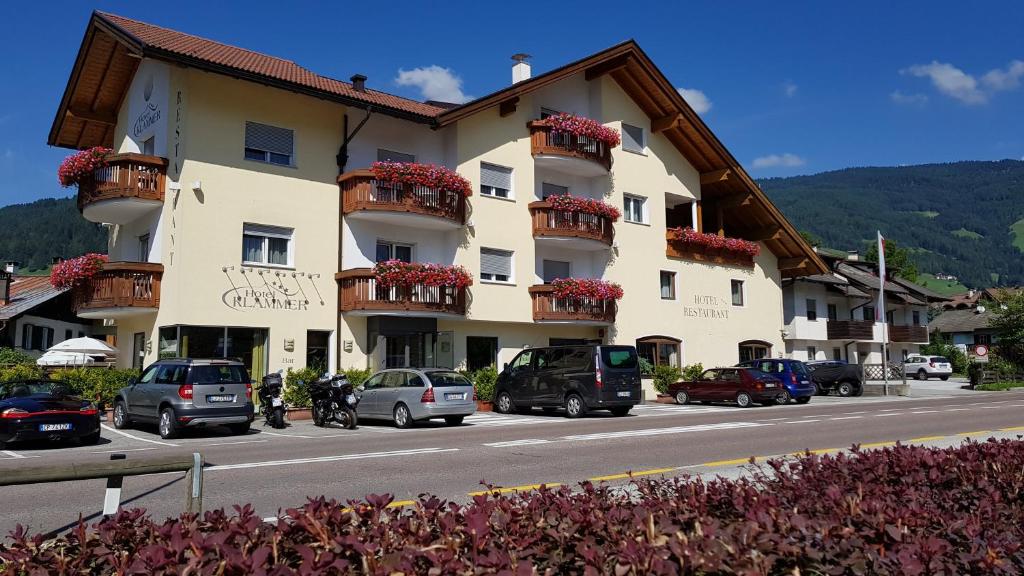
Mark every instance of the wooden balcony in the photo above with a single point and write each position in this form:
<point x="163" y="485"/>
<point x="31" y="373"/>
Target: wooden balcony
<point x="129" y="186"/>
<point x="917" y="334"/>
<point x="851" y="330"/>
<point x="685" y="251"/>
<point x="122" y="289"/>
<point x="362" y="196"/>
<point x="567" y="152"/>
<point x="585" y="231"/>
<point x="547" y="308"/>
<point x="360" y="294"/>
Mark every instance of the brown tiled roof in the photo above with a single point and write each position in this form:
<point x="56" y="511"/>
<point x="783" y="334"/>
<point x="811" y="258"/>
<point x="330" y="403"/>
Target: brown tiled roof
<point x="27" y="292"/>
<point x="193" y="47"/>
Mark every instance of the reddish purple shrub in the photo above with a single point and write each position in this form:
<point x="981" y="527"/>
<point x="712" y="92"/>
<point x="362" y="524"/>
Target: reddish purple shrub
<point x="906" y="510"/>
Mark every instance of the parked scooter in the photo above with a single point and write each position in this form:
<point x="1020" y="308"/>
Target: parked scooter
<point x="334" y="400"/>
<point x="271" y="402"/>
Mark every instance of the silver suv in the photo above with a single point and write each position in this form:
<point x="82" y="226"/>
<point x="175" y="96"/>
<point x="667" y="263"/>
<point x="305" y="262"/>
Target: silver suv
<point x="184" y="392"/>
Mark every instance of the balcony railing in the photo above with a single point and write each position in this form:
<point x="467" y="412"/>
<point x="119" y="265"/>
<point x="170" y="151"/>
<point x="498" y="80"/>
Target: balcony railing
<point x="908" y="334"/>
<point x="851" y="330"/>
<point x="125" y="176"/>
<point x="361" y="191"/>
<point x="548" y="222"/>
<point x="686" y="251"/>
<point x="130" y="285"/>
<point x="548" y="308"/>
<point x="547" y="142"/>
<point x="359" y="291"/>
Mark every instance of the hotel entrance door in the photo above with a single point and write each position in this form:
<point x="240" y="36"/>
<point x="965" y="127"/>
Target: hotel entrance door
<point x="415" y="350"/>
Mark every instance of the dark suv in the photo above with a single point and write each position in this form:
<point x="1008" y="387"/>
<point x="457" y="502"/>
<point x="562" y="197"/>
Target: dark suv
<point x="796" y="379"/>
<point x="577" y="378"/>
<point x="186" y="392"/>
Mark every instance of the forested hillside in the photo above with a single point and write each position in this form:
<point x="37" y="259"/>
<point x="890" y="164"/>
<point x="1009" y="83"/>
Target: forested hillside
<point x="956" y="218"/>
<point x="33" y="234"/>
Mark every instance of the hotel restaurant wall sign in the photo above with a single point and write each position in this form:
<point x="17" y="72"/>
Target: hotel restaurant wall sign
<point x="707" y="306"/>
<point x="258" y="290"/>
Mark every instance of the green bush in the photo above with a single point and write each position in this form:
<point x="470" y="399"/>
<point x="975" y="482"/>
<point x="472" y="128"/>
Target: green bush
<point x="20" y="372"/>
<point x="646" y="368"/>
<point x="13" y="357"/>
<point x="483" y="381"/>
<point x="664" y="376"/>
<point x="940" y="346"/>
<point x="693" y="371"/>
<point x="296" y="395"/>
<point x="357" y="375"/>
<point x="999" y="386"/>
<point x="97" y="384"/>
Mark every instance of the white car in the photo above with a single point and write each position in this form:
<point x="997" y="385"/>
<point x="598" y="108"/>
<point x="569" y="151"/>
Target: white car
<point x="925" y="367"/>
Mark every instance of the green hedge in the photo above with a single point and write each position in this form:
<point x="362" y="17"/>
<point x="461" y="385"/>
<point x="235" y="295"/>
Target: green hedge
<point x="13" y="357"/>
<point x="20" y="372"/>
<point x="483" y="381"/>
<point x="297" y="396"/>
<point x="99" y="384"/>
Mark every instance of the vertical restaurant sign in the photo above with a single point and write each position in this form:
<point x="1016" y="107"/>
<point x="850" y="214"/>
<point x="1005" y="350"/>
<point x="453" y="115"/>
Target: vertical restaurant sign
<point x="147" y="107"/>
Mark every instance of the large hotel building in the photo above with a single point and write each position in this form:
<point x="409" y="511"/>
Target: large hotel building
<point x="246" y="217"/>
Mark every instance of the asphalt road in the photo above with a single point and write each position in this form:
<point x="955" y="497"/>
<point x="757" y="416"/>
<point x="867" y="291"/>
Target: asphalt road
<point x="277" y="469"/>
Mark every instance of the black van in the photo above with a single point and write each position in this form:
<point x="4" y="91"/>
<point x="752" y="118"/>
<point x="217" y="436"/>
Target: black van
<point x="577" y="378"/>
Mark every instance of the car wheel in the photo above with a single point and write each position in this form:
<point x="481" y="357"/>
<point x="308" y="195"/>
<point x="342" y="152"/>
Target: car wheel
<point x="803" y="400"/>
<point x="783" y="398"/>
<point x="845" y="389"/>
<point x="90" y="439"/>
<point x="503" y="405"/>
<point x="454" y="420"/>
<point x="743" y="400"/>
<point x="121" y="420"/>
<point x="620" y="411"/>
<point x="574" y="407"/>
<point x="402" y="417"/>
<point x="921" y="375"/>
<point x="682" y="397"/>
<point x="168" y="424"/>
<point x="943" y="378"/>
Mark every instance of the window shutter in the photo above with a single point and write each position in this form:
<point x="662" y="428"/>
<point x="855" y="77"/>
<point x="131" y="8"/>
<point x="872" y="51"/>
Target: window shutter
<point x="392" y="156"/>
<point x="262" y="230"/>
<point x="632" y="138"/>
<point x="269" y="138"/>
<point x="496" y="176"/>
<point x="497" y="262"/>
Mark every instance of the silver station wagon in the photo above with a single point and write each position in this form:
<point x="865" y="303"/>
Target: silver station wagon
<point x="406" y="395"/>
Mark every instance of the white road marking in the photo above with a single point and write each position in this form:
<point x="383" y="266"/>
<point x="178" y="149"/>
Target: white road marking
<point x="924" y="412"/>
<point x="889" y="414"/>
<point x="13" y="454"/>
<point x="992" y="407"/>
<point x="133" y="437"/>
<point x="859" y="412"/>
<point x="891" y="409"/>
<point x="801" y="421"/>
<point x="524" y="442"/>
<point x="956" y="409"/>
<point x="124" y="450"/>
<point x="233" y="443"/>
<point x="321" y="459"/>
<point x="286" y="435"/>
<point x="846" y="418"/>
<point x="662" y="431"/>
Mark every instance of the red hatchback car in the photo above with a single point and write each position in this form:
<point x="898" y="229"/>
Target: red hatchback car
<point x="744" y="386"/>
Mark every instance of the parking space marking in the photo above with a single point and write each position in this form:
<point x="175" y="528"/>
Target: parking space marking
<point x="285" y="435"/>
<point x="339" y="457"/>
<point x="133" y="437"/>
<point x="234" y="443"/>
<point x="123" y="450"/>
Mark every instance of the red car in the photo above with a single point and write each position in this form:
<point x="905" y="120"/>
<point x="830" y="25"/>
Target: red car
<point x="744" y="386"/>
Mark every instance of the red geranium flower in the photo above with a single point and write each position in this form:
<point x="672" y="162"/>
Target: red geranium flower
<point x="81" y="164"/>
<point x="569" y="203"/>
<point x="586" y="289"/>
<point x="427" y="175"/>
<point x="76" y="271"/>
<point x="585" y="127"/>
<point x="736" y="245"/>
<point x="398" y="273"/>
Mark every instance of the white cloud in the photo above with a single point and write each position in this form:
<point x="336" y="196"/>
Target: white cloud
<point x="435" y="83"/>
<point x="786" y="160"/>
<point x="956" y="83"/>
<point x="999" y="80"/>
<point x="903" y="98"/>
<point x="789" y="88"/>
<point x="696" y="99"/>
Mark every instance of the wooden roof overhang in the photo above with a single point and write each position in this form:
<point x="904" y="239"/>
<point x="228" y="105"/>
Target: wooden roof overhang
<point x="724" y="182"/>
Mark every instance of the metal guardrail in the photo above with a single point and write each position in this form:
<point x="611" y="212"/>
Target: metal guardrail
<point x="114" y="471"/>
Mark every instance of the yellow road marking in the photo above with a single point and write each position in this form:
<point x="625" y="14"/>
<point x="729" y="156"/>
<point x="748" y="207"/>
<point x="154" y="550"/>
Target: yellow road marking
<point x="877" y="444"/>
<point x="1012" y="429"/>
<point x="632" y="474"/>
<point x="524" y="488"/>
<point x="401" y="503"/>
<point x="975" y="433"/>
<point x="727" y="462"/>
<point x="926" y="438"/>
<point x="818" y="451"/>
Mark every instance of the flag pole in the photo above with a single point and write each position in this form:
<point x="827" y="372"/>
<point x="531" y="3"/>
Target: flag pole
<point x="882" y="312"/>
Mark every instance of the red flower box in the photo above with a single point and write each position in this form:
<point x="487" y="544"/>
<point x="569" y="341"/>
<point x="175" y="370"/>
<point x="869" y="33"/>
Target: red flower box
<point x="81" y="164"/>
<point x="76" y="271"/>
<point x="714" y="241"/>
<point x="398" y="273"/>
<point x="586" y="288"/>
<point x="585" y="127"/>
<point x="427" y="175"/>
<point x="569" y="203"/>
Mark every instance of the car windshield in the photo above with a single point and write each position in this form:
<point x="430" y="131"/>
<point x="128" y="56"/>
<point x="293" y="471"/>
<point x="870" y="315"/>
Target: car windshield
<point x="24" y="389"/>
<point x="619" y="357"/>
<point x="444" y="379"/>
<point x="759" y="375"/>
<point x="219" y="374"/>
<point x="940" y="360"/>
<point x="799" y="369"/>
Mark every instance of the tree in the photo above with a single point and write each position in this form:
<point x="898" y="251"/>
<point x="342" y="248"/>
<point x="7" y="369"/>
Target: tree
<point x="811" y="238"/>
<point x="1007" y="320"/>
<point x="897" y="260"/>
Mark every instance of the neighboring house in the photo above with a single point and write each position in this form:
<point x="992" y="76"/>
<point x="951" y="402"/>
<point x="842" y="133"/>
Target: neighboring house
<point x="245" y="219"/>
<point x="34" y="315"/>
<point x="834" y="317"/>
<point x="965" y="328"/>
<point x="973" y="298"/>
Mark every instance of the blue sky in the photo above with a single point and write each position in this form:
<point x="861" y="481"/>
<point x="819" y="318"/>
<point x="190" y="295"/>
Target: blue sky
<point x="789" y="87"/>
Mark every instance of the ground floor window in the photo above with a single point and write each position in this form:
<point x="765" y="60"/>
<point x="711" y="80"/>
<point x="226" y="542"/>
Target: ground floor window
<point x="249" y="345"/>
<point x="481" y="352"/>
<point x="413" y="350"/>
<point x="660" y="350"/>
<point x="317" y="344"/>
<point x="754" y="350"/>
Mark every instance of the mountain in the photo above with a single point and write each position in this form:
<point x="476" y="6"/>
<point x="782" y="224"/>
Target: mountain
<point x="32" y="234"/>
<point x="958" y="218"/>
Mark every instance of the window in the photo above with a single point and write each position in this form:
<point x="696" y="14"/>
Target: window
<point x="668" y="285"/>
<point x="812" y="309"/>
<point x="265" y="143"/>
<point x="869" y="313"/>
<point x="754" y="350"/>
<point x="495" y="181"/>
<point x="26" y="336"/>
<point x="737" y="293"/>
<point x="633" y="139"/>
<point x="552" y="190"/>
<point x="917" y="317"/>
<point x="495" y="265"/>
<point x="481" y="352"/>
<point x="659" y="350"/>
<point x="833" y="312"/>
<point x="619" y="357"/>
<point x="635" y="208"/>
<point x="68" y="334"/>
<point x="523" y="360"/>
<point x="837" y="354"/>
<point x="317" y="343"/>
<point x="554" y="269"/>
<point x="890" y="317"/>
<point x="266" y="245"/>
<point x="144" y="248"/>
<point x="392" y="156"/>
<point x="812" y="352"/>
<point x="374" y="382"/>
<point x="393" y="251"/>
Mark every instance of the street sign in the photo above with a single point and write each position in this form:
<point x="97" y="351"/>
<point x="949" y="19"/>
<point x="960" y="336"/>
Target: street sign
<point x="980" y="353"/>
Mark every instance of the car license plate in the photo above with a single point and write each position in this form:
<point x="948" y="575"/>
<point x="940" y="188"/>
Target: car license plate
<point x="455" y="396"/>
<point x="351" y="399"/>
<point x="54" y="427"/>
<point x="769" y="385"/>
<point x="221" y="398"/>
<point x="276" y="402"/>
<point x="624" y="394"/>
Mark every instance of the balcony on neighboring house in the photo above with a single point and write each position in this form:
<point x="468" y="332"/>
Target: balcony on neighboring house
<point x="548" y="308"/>
<point x="571" y="229"/>
<point x="568" y="152"/>
<point x="364" y="197"/>
<point x="120" y="290"/>
<point x="851" y="330"/>
<point x="915" y="334"/>
<point x="361" y="294"/>
<point x="129" y="186"/>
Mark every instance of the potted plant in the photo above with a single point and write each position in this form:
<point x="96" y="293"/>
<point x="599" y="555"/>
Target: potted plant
<point x="426" y="175"/>
<point x="583" y="127"/>
<point x="484" y="380"/>
<point x="586" y="289"/>
<point x="81" y="165"/>
<point x="569" y="203"/>
<point x="75" y="272"/>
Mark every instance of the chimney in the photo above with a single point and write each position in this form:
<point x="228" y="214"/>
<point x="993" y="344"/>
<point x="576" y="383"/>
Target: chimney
<point x="11" y="267"/>
<point x="358" y="82"/>
<point x="852" y="255"/>
<point x="970" y="293"/>
<point x="521" y="69"/>
<point x="5" y="287"/>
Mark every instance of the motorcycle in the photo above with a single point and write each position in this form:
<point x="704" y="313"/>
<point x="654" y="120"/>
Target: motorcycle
<point x="271" y="402"/>
<point x="334" y="399"/>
